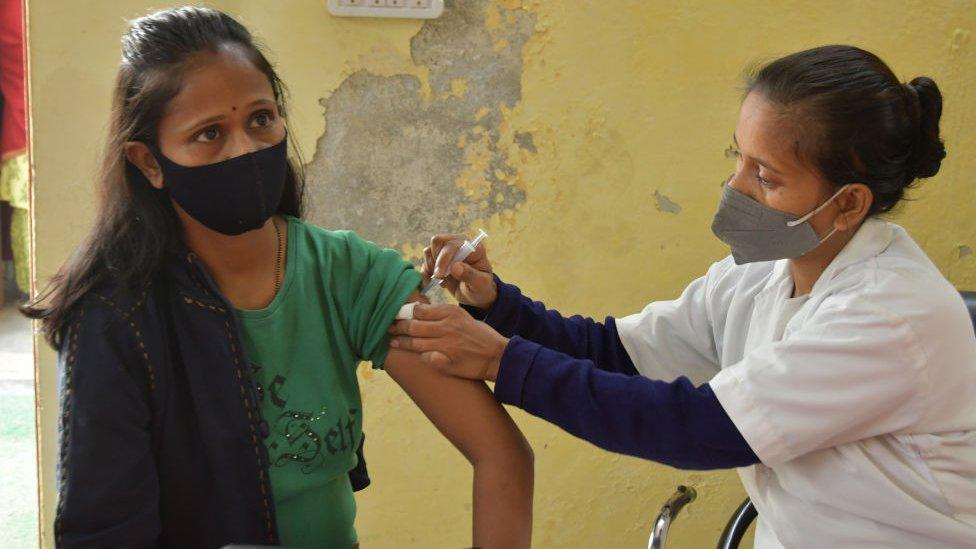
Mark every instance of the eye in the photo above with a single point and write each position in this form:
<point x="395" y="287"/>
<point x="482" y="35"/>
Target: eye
<point x="763" y="181"/>
<point x="208" y="135"/>
<point x="262" y="119"/>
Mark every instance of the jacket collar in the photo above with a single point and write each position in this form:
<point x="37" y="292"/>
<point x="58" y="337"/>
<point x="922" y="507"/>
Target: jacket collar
<point x="190" y="278"/>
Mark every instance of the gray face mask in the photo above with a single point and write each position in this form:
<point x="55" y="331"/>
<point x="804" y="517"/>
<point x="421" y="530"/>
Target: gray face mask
<point x="759" y="233"/>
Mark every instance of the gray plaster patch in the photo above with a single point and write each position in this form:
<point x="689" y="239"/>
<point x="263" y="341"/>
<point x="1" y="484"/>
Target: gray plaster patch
<point x="525" y="141"/>
<point x="965" y="251"/>
<point x="387" y="164"/>
<point x="664" y="204"/>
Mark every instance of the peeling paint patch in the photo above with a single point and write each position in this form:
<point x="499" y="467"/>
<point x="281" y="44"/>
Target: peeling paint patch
<point x="525" y="141"/>
<point x="397" y="165"/>
<point x="965" y="251"/>
<point x="665" y="204"/>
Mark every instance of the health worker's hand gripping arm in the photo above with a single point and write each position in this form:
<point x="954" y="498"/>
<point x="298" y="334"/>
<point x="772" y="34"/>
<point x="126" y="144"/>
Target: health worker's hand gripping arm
<point x="675" y="423"/>
<point x="449" y="339"/>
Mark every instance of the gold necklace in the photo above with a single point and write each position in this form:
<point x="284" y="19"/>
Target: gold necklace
<point x="277" y="270"/>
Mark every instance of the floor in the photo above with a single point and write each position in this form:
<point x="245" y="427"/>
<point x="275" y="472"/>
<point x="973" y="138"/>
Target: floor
<point x="18" y="479"/>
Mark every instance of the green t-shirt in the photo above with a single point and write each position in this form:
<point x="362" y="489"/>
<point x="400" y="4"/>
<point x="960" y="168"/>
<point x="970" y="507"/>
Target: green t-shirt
<point x="339" y="296"/>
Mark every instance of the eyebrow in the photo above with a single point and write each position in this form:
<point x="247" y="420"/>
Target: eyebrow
<point x="759" y="161"/>
<point x="207" y="121"/>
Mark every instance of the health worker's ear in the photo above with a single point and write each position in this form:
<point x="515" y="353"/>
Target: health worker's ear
<point x="853" y="205"/>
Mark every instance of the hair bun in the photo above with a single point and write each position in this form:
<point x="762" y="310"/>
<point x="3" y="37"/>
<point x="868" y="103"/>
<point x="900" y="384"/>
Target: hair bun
<point x="929" y="148"/>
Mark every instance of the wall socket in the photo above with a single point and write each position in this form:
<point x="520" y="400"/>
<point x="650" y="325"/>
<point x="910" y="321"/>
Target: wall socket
<point x="403" y="9"/>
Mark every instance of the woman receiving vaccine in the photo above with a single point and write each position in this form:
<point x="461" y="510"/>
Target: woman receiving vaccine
<point x="826" y="358"/>
<point x="209" y="336"/>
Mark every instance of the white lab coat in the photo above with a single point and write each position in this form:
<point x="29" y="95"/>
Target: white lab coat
<point x="859" y="398"/>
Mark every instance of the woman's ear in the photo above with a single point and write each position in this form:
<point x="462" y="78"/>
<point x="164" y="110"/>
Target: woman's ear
<point x="143" y="159"/>
<point x="854" y="204"/>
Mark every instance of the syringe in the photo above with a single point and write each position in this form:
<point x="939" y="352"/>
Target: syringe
<point x="463" y="252"/>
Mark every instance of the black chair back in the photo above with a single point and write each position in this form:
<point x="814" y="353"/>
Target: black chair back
<point x="970" y="299"/>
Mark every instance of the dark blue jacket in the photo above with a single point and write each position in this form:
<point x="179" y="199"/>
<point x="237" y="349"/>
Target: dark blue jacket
<point x="161" y="434"/>
<point x="575" y="373"/>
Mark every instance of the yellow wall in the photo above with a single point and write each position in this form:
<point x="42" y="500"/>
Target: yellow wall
<point x="630" y="105"/>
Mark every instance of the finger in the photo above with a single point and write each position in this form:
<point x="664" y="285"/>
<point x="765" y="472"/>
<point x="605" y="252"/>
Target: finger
<point x="439" y="240"/>
<point x="428" y="268"/>
<point x="433" y="312"/>
<point x="443" y="262"/>
<point x="412" y="344"/>
<point x="414" y="328"/>
<point x="395" y="328"/>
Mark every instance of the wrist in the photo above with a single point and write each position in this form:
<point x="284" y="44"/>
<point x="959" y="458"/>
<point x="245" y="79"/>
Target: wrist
<point x="490" y="299"/>
<point x="494" y="364"/>
<point x="493" y="294"/>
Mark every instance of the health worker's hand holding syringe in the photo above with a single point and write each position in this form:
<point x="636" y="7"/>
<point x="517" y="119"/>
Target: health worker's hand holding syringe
<point x="462" y="268"/>
<point x="446" y="336"/>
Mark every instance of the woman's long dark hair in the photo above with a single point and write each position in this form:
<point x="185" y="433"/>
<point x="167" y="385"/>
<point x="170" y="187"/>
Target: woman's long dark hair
<point x="136" y="225"/>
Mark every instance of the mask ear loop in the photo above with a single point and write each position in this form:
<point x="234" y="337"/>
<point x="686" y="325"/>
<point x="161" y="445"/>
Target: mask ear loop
<point x="820" y="208"/>
<point x="830" y="234"/>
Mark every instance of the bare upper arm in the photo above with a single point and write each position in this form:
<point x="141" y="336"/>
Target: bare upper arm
<point x="463" y="410"/>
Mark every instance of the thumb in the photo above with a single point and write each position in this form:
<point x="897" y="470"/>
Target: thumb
<point x="468" y="274"/>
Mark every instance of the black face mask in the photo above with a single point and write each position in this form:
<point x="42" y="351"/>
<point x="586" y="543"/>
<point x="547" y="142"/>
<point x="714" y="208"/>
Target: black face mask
<point x="232" y="196"/>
